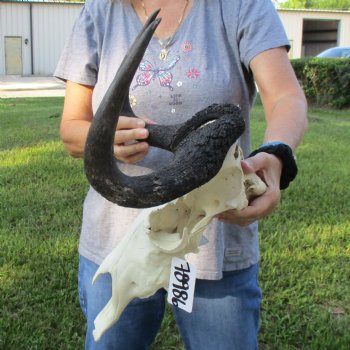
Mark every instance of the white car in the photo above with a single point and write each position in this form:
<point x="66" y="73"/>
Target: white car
<point x="343" y="52"/>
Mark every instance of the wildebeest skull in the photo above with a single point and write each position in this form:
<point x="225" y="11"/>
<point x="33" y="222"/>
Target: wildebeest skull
<point x="140" y="264"/>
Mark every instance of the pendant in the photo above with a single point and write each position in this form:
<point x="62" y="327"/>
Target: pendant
<point x="163" y="54"/>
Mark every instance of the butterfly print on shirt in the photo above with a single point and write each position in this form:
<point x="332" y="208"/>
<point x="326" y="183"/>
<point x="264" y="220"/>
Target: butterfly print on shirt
<point x="149" y="72"/>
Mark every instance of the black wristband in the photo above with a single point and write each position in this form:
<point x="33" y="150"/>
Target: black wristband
<point x="285" y="154"/>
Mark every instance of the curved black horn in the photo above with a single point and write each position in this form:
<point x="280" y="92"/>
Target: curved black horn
<point x="199" y="145"/>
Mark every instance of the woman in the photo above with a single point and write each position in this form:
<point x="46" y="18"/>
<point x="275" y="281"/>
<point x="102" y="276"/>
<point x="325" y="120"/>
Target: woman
<point x="203" y="52"/>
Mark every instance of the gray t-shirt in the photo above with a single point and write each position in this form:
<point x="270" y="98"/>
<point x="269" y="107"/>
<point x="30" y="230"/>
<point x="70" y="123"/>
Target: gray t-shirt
<point x="208" y="62"/>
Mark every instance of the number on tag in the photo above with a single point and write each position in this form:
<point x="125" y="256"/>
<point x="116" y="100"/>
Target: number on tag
<point x="181" y="284"/>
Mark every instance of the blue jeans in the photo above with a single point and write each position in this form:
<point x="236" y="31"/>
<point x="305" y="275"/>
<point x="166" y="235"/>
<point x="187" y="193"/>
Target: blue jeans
<point x="225" y="313"/>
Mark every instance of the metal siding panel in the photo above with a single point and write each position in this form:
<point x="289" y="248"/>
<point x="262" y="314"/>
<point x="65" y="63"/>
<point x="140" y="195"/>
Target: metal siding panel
<point x="344" y="30"/>
<point x="37" y="38"/>
<point x="41" y="32"/>
<point x="14" y="21"/>
<point x="2" y="53"/>
<point x="41" y="44"/>
<point x="53" y="23"/>
<point x="293" y="26"/>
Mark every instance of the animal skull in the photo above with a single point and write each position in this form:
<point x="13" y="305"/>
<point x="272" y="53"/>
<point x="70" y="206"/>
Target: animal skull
<point x="140" y="264"/>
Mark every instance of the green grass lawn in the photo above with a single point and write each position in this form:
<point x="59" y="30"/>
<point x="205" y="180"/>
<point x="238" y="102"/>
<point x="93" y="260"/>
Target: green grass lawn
<point x="305" y="245"/>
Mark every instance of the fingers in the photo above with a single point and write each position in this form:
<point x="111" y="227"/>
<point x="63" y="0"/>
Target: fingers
<point x="256" y="210"/>
<point x="268" y="167"/>
<point x="233" y="217"/>
<point x="247" y="166"/>
<point x="130" y="135"/>
<point x="130" y="123"/>
<point x="264" y="164"/>
<point x="131" y="153"/>
<point x="126" y="147"/>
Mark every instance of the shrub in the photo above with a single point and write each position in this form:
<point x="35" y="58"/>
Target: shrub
<point x="326" y="81"/>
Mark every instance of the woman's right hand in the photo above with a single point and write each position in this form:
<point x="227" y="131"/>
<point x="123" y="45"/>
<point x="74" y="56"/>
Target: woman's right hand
<point x="127" y="147"/>
<point x="76" y="120"/>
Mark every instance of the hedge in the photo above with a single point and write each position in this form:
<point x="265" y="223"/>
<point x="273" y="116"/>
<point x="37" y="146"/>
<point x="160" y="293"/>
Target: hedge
<point x="326" y="81"/>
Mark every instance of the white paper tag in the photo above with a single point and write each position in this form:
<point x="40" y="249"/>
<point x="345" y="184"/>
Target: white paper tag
<point x="181" y="284"/>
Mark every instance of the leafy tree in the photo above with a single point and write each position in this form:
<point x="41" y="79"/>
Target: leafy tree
<point x="316" y="4"/>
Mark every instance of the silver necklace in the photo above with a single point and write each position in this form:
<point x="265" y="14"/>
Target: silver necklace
<point x="166" y="43"/>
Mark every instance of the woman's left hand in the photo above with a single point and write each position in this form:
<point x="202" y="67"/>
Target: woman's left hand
<point x="268" y="167"/>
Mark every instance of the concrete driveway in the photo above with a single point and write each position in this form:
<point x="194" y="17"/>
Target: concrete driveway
<point x="32" y="86"/>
